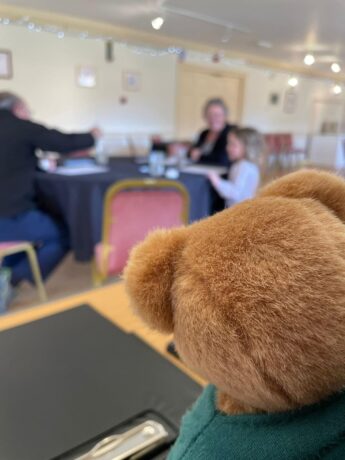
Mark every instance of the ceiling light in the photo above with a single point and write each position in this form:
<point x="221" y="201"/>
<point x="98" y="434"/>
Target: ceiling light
<point x="309" y="59"/>
<point x="157" y="22"/>
<point x="337" y="89"/>
<point x="335" y="67"/>
<point x="293" y="82"/>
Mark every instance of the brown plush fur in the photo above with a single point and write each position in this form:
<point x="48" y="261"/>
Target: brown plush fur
<point x="255" y="295"/>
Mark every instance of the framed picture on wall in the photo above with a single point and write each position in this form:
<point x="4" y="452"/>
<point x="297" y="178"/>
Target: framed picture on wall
<point x="6" y="70"/>
<point x="274" y="99"/>
<point x="86" y="76"/>
<point x="290" y="101"/>
<point x="131" y="80"/>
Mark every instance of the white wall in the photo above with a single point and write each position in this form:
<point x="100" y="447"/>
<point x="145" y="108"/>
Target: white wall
<point x="260" y="83"/>
<point x="259" y="112"/>
<point x="44" y="73"/>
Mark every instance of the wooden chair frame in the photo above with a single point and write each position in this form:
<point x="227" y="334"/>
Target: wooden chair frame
<point x="35" y="268"/>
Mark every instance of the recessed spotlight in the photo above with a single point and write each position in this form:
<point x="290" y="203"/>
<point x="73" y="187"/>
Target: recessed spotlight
<point x="309" y="59"/>
<point x="335" y="67"/>
<point x="337" y="89"/>
<point x="293" y="82"/>
<point x="157" y="22"/>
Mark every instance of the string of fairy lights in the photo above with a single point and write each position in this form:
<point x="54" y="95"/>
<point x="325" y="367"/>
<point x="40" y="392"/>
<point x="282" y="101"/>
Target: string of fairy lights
<point x="143" y="49"/>
<point x="62" y="32"/>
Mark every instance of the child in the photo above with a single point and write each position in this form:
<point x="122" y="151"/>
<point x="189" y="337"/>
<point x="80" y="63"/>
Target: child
<point x="243" y="145"/>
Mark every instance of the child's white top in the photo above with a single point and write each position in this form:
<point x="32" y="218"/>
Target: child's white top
<point x="244" y="179"/>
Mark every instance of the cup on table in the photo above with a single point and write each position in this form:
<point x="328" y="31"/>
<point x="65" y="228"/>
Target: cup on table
<point x="157" y="163"/>
<point x="101" y="153"/>
<point x="179" y="150"/>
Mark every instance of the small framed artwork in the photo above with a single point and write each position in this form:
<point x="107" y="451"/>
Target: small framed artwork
<point x="290" y="101"/>
<point x="86" y="76"/>
<point x="274" y="99"/>
<point x="6" y="69"/>
<point x="131" y="80"/>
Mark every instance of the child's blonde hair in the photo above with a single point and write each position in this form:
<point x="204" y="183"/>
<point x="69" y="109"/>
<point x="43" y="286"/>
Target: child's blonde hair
<point x="253" y="141"/>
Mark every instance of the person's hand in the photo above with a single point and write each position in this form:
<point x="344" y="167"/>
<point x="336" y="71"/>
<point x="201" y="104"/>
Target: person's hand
<point x="96" y="133"/>
<point x="214" y="178"/>
<point x="173" y="149"/>
<point x="195" y="154"/>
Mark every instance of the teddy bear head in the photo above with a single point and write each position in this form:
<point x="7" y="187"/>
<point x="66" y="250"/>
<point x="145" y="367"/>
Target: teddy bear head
<point x="255" y="295"/>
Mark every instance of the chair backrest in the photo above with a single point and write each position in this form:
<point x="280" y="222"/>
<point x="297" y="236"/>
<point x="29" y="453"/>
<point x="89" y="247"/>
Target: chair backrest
<point x="135" y="207"/>
<point x="271" y="144"/>
<point x="11" y="245"/>
<point x="7" y="245"/>
<point x="285" y="142"/>
<point x="278" y="142"/>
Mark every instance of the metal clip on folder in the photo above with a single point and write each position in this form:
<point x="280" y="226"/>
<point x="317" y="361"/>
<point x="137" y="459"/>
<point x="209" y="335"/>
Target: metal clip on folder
<point x="133" y="443"/>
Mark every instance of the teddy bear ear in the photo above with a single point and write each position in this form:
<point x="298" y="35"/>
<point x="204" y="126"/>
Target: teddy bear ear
<point x="149" y="276"/>
<point x="324" y="187"/>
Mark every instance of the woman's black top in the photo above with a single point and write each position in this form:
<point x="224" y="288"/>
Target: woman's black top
<point x="214" y="153"/>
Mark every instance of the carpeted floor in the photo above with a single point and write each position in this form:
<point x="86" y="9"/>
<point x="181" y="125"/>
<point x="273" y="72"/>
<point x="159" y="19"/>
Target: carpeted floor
<point x="70" y="278"/>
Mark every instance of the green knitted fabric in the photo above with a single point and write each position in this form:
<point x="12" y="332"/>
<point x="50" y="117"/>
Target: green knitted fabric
<point x="311" y="433"/>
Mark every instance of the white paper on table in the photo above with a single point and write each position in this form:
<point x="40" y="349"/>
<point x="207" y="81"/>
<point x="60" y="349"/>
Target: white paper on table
<point x="205" y="169"/>
<point x="66" y="171"/>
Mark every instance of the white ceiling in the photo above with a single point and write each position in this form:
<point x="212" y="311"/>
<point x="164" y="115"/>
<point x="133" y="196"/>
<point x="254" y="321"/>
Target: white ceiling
<point x="293" y="27"/>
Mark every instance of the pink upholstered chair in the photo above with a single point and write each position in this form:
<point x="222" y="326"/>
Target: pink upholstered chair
<point x="14" y="247"/>
<point x="133" y="208"/>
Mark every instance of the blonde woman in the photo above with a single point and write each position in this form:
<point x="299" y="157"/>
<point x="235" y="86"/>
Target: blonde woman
<point x="244" y="149"/>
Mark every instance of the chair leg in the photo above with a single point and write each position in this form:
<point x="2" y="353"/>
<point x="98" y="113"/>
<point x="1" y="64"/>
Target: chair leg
<point x="97" y="277"/>
<point x="36" y="272"/>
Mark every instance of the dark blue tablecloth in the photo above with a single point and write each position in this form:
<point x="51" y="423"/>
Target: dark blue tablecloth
<point x="78" y="201"/>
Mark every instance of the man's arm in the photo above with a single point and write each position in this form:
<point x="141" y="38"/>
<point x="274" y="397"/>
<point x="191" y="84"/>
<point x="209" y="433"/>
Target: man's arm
<point x="56" y="141"/>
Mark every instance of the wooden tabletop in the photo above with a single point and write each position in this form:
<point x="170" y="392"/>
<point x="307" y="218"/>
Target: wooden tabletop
<point x="111" y="302"/>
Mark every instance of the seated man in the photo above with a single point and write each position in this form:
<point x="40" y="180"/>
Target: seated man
<point x="20" y="219"/>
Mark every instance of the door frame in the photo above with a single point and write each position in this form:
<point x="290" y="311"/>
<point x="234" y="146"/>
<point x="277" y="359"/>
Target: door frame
<point x="212" y="71"/>
<point x="330" y="101"/>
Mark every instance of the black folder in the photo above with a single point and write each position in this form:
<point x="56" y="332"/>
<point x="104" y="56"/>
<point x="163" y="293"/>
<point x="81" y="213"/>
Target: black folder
<point x="68" y="378"/>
